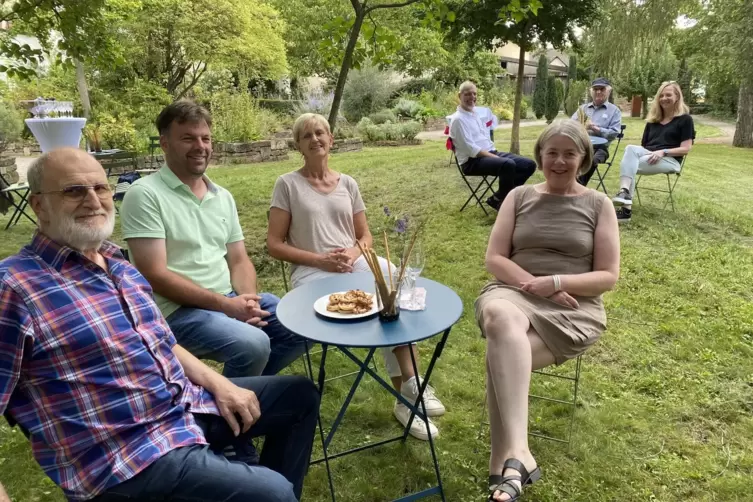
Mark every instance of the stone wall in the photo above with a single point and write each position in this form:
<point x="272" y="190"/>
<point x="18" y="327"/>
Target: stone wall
<point x="24" y="148"/>
<point x="435" y="124"/>
<point x="8" y="168"/>
<point x="251" y="152"/>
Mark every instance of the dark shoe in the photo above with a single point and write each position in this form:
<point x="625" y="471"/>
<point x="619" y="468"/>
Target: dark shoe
<point x="505" y="484"/>
<point x="494" y="203"/>
<point x="623" y="197"/>
<point x="623" y="215"/>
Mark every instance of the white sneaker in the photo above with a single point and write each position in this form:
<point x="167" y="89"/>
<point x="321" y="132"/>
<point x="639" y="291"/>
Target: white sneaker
<point x="418" y="426"/>
<point x="434" y="407"/>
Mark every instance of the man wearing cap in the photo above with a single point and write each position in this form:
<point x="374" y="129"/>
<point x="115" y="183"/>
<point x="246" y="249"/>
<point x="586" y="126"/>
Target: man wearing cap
<point x="604" y="120"/>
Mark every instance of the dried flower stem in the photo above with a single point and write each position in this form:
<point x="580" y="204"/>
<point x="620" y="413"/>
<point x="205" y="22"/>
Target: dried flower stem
<point x="389" y="261"/>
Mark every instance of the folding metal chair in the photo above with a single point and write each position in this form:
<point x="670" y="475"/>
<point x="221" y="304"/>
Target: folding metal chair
<point x="484" y="184"/>
<point x="22" y="190"/>
<point x="670" y="185"/>
<point x="610" y="161"/>
<point x="572" y="403"/>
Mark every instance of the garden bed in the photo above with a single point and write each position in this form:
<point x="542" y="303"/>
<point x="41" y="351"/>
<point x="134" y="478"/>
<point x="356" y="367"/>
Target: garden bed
<point x="400" y="142"/>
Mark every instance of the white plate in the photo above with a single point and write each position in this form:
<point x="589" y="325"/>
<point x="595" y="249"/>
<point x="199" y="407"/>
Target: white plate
<point x="320" y="306"/>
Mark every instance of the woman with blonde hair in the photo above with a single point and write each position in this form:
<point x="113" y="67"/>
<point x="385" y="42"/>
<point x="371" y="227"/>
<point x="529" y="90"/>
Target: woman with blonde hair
<point x="667" y="138"/>
<point x="553" y="251"/>
<point x="317" y="220"/>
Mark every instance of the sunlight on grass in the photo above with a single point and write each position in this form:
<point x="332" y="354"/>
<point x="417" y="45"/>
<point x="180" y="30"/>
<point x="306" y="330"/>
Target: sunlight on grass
<point x="666" y="400"/>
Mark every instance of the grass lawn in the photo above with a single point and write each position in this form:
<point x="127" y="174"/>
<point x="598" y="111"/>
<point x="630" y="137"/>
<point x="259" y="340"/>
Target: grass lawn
<point x="665" y="409"/>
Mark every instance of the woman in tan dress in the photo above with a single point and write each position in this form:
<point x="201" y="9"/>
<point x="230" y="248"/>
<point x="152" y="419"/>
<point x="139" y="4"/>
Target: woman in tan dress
<point x="554" y="250"/>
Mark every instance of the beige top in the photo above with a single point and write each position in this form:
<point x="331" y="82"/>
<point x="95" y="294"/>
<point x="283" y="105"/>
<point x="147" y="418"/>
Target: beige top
<point x="554" y="234"/>
<point x="319" y="222"/>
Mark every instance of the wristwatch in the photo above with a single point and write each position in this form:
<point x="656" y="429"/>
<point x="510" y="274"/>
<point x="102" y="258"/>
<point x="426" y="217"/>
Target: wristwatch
<point x="666" y="152"/>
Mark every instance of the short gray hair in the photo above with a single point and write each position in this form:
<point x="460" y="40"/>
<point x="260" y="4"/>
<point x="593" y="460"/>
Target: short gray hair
<point x="571" y="129"/>
<point x="465" y="86"/>
<point x="35" y="174"/>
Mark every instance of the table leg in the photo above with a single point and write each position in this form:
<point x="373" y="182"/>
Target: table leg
<point x="364" y="365"/>
<point x="420" y="401"/>
<point x="322" y="374"/>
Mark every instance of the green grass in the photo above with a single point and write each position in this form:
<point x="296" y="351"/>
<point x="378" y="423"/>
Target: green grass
<point x="665" y="408"/>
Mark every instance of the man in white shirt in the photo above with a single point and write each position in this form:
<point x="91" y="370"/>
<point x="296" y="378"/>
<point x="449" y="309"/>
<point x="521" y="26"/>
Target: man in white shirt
<point x="476" y="153"/>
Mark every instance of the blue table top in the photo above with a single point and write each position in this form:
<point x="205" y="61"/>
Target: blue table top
<point x="598" y="140"/>
<point x="296" y="312"/>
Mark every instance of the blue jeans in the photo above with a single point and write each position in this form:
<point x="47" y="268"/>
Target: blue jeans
<point x="244" y="349"/>
<point x="289" y="408"/>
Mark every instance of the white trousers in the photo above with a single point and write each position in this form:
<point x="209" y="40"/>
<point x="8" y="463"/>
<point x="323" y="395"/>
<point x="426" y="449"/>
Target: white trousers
<point x="635" y="162"/>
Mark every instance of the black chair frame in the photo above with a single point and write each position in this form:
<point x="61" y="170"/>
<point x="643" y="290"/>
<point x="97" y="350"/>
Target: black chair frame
<point x="20" y="206"/>
<point x="610" y="160"/>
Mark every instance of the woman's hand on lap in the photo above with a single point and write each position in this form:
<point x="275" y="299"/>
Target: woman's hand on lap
<point x="565" y="299"/>
<point x="540" y="286"/>
<point x="336" y="261"/>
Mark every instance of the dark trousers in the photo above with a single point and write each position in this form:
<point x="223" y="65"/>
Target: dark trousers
<point x="289" y="406"/>
<point x="512" y="170"/>
<point x="601" y="154"/>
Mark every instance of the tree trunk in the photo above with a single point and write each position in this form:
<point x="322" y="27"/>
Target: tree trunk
<point x="83" y="88"/>
<point x="345" y="68"/>
<point x="744" y="126"/>
<point x="644" y="113"/>
<point x="515" y="134"/>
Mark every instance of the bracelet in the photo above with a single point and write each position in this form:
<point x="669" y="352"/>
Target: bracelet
<point x="557" y="283"/>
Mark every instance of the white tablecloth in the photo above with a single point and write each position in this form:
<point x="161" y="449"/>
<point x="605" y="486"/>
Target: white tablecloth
<point x="54" y="133"/>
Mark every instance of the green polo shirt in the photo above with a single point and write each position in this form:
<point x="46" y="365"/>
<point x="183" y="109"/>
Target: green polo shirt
<point x="196" y="232"/>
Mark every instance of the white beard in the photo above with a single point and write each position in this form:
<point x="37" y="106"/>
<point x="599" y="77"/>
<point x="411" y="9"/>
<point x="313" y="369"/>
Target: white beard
<point x="81" y="236"/>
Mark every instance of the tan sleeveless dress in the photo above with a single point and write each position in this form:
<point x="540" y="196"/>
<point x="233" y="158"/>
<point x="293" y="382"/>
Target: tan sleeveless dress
<point x="554" y="234"/>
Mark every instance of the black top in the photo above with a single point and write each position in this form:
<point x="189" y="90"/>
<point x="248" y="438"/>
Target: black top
<point x="659" y="137"/>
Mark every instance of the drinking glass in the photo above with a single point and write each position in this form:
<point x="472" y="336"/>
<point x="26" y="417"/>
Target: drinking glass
<point x="413" y="268"/>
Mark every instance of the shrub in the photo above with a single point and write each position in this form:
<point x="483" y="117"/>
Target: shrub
<point x="383" y="116"/>
<point x="11" y="124"/>
<point x="388" y="131"/>
<point x="552" y="99"/>
<point x="503" y="113"/>
<point x="280" y="106"/>
<point x="525" y="106"/>
<point x="700" y="109"/>
<point x="367" y="91"/>
<point x="448" y="101"/>
<point x="540" y="92"/>
<point x="236" y="116"/>
<point x="315" y="102"/>
<point x="406" y="108"/>
<point x="115" y="132"/>
<point x="575" y="95"/>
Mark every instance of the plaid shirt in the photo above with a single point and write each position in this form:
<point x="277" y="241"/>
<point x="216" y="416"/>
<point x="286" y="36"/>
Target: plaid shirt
<point x="86" y="367"/>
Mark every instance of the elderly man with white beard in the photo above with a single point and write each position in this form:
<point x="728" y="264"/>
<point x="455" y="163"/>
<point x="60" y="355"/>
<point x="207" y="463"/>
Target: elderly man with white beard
<point x="90" y="371"/>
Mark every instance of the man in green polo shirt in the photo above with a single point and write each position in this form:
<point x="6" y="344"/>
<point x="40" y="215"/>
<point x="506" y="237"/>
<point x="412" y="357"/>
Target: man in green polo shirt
<point x="184" y="236"/>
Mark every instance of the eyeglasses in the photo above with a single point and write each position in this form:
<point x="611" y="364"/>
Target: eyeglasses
<point x="77" y="193"/>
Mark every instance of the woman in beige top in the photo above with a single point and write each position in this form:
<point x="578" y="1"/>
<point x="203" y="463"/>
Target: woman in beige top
<point x="316" y="219"/>
<point x="554" y="250"/>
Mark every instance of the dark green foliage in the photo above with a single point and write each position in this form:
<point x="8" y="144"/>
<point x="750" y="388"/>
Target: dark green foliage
<point x="281" y="106"/>
<point x="572" y="73"/>
<point x="552" y="98"/>
<point x="540" y="92"/>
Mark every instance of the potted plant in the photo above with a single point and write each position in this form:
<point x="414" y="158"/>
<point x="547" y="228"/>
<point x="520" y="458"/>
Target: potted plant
<point x="93" y="137"/>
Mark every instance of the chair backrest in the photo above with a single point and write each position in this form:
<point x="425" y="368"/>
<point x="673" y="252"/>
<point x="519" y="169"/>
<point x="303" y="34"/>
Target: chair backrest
<point x="682" y="162"/>
<point x="126" y="161"/>
<point x="283" y="267"/>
